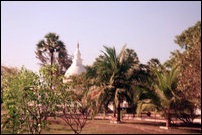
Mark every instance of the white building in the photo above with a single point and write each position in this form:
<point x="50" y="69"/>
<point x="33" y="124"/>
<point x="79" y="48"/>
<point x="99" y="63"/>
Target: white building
<point x="77" y="67"/>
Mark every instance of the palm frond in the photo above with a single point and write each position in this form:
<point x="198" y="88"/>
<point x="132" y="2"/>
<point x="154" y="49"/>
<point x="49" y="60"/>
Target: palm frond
<point x="111" y="57"/>
<point x="122" y="54"/>
<point x="161" y="82"/>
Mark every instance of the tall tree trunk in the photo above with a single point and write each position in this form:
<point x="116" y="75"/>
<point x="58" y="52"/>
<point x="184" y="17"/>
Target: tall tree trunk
<point x="114" y="109"/>
<point x="168" y="119"/>
<point x="119" y="112"/>
<point x="104" y="114"/>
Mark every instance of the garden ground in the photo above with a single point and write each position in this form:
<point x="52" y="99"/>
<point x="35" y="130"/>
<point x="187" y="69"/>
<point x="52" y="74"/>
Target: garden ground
<point x="57" y="126"/>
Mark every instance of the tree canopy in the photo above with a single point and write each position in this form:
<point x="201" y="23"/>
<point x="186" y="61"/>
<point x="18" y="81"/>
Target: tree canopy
<point x="190" y="63"/>
<point x="51" y="51"/>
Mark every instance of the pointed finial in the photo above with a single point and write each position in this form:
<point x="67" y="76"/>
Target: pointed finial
<point x="78" y="45"/>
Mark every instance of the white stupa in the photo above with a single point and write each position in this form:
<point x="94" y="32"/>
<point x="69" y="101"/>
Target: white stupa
<point x="76" y="68"/>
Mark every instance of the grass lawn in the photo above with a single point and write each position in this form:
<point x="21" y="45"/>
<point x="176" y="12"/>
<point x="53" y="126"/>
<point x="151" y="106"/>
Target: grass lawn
<point x="126" y="127"/>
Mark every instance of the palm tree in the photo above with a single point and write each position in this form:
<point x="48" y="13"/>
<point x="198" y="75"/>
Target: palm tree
<point x="164" y="94"/>
<point x="53" y="51"/>
<point x="166" y="91"/>
<point x="140" y="87"/>
<point x="111" y="71"/>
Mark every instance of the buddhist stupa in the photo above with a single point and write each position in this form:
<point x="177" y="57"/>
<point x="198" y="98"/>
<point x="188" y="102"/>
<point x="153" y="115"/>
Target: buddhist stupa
<point x="77" y="67"/>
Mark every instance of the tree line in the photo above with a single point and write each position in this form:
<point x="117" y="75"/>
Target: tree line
<point x="171" y="88"/>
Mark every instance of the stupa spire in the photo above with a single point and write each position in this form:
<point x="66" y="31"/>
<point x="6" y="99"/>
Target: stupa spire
<point x="77" y="66"/>
<point x="78" y="45"/>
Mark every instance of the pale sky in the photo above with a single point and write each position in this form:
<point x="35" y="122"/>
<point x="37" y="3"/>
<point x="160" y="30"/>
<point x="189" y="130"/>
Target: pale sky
<point x="147" y="27"/>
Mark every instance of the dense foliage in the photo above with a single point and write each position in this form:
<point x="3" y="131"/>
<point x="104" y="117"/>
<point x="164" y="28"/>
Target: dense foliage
<point x="173" y="89"/>
<point x="190" y="63"/>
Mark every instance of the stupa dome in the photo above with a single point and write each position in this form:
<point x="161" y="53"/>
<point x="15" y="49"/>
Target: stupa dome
<point x="77" y="67"/>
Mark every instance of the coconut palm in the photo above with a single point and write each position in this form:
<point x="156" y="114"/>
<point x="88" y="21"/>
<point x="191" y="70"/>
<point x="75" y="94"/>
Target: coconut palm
<point x="112" y="71"/>
<point x="164" y="94"/>
<point x="140" y="87"/>
<point x="166" y="91"/>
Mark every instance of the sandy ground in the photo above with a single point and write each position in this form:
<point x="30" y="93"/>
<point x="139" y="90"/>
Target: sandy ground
<point x="58" y="126"/>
